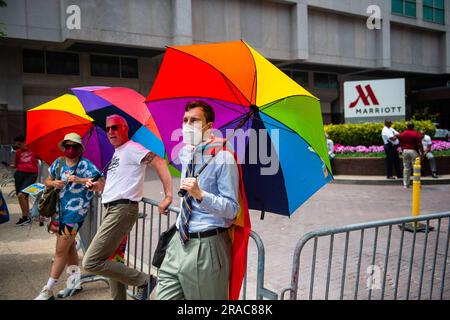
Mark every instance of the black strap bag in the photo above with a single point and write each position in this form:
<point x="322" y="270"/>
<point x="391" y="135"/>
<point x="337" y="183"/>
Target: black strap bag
<point x="50" y="197"/>
<point x="163" y="244"/>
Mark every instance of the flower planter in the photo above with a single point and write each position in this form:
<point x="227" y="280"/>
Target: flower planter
<point x="377" y="166"/>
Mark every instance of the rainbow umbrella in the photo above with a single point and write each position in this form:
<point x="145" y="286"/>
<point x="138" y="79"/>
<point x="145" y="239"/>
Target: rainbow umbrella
<point x="100" y="102"/>
<point x="243" y="87"/>
<point x="48" y="123"/>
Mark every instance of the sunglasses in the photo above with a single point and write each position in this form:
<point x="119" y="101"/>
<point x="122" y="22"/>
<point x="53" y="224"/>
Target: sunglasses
<point x="71" y="146"/>
<point x="114" y="127"/>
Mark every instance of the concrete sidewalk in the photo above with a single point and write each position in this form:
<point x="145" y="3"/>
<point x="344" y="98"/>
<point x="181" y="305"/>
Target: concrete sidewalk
<point x="26" y="254"/>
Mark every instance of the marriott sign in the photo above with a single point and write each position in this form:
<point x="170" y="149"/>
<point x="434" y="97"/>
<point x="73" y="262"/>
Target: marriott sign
<point x="366" y="100"/>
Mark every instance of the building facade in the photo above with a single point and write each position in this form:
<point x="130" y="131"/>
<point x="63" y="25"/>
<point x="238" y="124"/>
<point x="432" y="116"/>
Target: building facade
<point x="53" y="45"/>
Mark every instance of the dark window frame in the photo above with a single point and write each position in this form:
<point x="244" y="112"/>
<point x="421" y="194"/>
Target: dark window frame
<point x="331" y="82"/>
<point x="434" y="8"/>
<point x="46" y="64"/>
<point x="24" y="64"/>
<point x="76" y="70"/>
<point x="291" y="74"/>
<point x="121" y="62"/>
<point x="403" y="13"/>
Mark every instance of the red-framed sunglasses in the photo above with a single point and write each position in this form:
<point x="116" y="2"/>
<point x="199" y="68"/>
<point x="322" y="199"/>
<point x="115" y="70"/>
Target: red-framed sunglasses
<point x="114" y="127"/>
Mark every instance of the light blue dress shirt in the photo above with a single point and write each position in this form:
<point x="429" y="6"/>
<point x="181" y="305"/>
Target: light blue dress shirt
<point x="220" y="185"/>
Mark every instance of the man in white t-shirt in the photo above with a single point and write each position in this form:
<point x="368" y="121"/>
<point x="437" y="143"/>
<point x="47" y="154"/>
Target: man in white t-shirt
<point x="122" y="190"/>
<point x="427" y="143"/>
<point x="391" y="143"/>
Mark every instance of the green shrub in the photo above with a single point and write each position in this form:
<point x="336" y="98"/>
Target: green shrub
<point x="369" y="134"/>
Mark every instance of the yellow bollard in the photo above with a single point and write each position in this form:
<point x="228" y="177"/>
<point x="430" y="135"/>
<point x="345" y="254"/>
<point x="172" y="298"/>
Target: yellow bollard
<point x="416" y="190"/>
<point x="416" y="226"/>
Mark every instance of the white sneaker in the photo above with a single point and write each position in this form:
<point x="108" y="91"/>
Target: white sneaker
<point x="45" y="294"/>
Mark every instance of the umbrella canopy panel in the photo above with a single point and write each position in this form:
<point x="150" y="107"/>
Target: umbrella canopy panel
<point x="49" y="123"/>
<point x="239" y="83"/>
<point x="101" y="102"/>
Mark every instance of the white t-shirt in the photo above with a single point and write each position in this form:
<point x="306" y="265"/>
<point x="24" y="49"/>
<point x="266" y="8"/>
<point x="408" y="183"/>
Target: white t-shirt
<point x="389" y="133"/>
<point x="125" y="176"/>
<point x="426" y="143"/>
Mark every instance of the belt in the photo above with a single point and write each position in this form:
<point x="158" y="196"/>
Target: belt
<point x="206" y="234"/>
<point x="121" y="201"/>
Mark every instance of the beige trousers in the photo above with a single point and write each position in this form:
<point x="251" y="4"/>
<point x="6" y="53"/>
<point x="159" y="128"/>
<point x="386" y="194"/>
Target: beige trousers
<point x="117" y="223"/>
<point x="409" y="157"/>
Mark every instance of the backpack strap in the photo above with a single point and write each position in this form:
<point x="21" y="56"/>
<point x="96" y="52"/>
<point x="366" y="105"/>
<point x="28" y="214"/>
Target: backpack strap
<point x="61" y="159"/>
<point x="58" y="175"/>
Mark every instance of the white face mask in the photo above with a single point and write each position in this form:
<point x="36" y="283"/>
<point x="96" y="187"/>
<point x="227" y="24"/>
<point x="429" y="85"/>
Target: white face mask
<point x="192" y="134"/>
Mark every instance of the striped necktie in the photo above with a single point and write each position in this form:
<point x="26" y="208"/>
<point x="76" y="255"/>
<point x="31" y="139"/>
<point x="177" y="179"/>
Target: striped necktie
<point x="186" y="211"/>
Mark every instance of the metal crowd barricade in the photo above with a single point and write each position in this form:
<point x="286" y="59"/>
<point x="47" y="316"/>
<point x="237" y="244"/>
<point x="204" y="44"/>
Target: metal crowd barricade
<point x="375" y="260"/>
<point x="6" y="174"/>
<point x="142" y="244"/>
<point x="143" y="239"/>
<point x="6" y="153"/>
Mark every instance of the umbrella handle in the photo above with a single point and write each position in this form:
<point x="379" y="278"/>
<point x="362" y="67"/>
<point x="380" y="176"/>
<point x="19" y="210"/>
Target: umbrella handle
<point x="182" y="193"/>
<point x="94" y="179"/>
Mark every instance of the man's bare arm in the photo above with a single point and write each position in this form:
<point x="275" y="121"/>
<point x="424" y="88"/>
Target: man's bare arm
<point x="161" y="168"/>
<point x="148" y="158"/>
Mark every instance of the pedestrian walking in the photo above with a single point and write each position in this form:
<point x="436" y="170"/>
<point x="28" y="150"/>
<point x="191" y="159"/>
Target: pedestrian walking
<point x="411" y="143"/>
<point x="26" y="165"/>
<point x="197" y="261"/>
<point x="74" y="201"/>
<point x="122" y="190"/>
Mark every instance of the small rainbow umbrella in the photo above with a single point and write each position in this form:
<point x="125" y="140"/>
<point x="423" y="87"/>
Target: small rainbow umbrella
<point x="48" y="123"/>
<point x="243" y="87"/>
<point x="100" y="102"/>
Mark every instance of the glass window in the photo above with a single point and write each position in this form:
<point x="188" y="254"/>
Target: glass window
<point x="62" y="63"/>
<point x="33" y="61"/>
<point x="301" y="78"/>
<point x="325" y="81"/>
<point x="129" y="67"/>
<point x="439" y="4"/>
<point x="114" y="66"/>
<point x="397" y="6"/>
<point x="105" y="66"/>
<point x="404" y="7"/>
<point x="298" y="76"/>
<point x="410" y="8"/>
<point x="428" y="13"/>
<point x="439" y="16"/>
<point x="434" y="11"/>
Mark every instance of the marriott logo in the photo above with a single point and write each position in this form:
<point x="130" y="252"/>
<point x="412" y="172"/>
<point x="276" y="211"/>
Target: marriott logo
<point x="365" y="97"/>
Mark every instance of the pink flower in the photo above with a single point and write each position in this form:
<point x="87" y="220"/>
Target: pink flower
<point x="340" y="149"/>
<point x="362" y="149"/>
<point x="440" y="145"/>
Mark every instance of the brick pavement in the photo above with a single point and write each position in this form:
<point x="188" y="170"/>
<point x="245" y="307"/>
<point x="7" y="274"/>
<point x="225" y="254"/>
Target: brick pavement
<point x="334" y="205"/>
